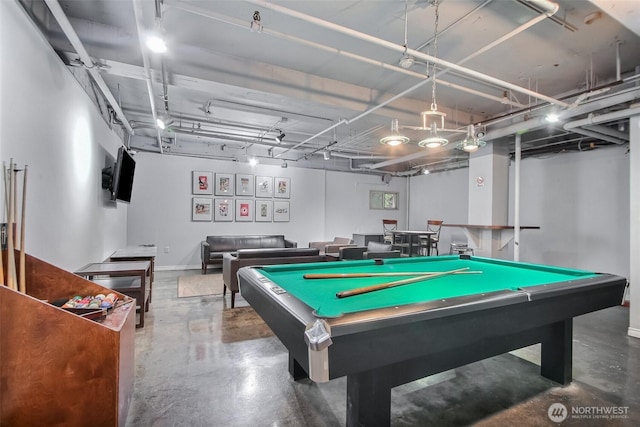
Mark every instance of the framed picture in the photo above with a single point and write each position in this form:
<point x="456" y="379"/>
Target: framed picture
<point x="244" y="185"/>
<point x="223" y="209"/>
<point x="264" y="186"/>
<point x="282" y="188"/>
<point x="201" y="209"/>
<point x="280" y="211"/>
<point x="202" y="182"/>
<point x="264" y="210"/>
<point x="224" y="184"/>
<point x="244" y="210"/>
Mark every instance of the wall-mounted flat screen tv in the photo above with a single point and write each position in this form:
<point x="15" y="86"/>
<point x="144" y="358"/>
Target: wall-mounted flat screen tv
<point x="119" y="179"/>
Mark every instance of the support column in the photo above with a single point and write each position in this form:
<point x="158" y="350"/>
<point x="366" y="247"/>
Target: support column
<point x="634" y="227"/>
<point x="488" y="196"/>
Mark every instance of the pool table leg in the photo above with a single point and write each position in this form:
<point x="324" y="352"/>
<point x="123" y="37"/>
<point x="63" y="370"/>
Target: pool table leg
<point x="557" y="350"/>
<point x="368" y="399"/>
<point x="295" y="369"/>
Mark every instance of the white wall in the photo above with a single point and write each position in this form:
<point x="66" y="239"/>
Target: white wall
<point x="322" y="204"/>
<point x="49" y="123"/>
<point x="442" y="195"/>
<point x="581" y="203"/>
<point x="347" y="204"/>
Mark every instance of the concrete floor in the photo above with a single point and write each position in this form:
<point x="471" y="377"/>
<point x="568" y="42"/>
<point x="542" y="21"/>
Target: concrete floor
<point x="193" y="369"/>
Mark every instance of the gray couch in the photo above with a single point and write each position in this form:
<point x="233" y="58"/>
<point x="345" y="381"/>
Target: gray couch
<point x="332" y="247"/>
<point x="373" y="250"/>
<point x="213" y="247"/>
<point x="251" y="257"/>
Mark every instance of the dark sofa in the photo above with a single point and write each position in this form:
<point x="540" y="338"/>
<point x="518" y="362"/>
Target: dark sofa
<point x="373" y="250"/>
<point x="212" y="248"/>
<point x="251" y="257"/>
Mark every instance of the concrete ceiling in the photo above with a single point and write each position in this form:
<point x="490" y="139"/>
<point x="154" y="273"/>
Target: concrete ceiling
<point x="327" y="75"/>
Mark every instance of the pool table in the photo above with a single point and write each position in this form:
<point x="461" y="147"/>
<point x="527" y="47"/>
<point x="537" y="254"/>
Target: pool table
<point x="389" y="337"/>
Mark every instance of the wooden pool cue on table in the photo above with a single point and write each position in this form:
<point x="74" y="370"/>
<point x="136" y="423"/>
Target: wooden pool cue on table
<point x="381" y="286"/>
<point x="394" y="274"/>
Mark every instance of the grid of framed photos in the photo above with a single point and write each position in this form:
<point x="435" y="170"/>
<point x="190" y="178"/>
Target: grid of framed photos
<point x="240" y="197"/>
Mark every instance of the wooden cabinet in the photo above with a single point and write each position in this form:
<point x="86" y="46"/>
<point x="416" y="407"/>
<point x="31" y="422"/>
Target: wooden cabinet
<point x="57" y="368"/>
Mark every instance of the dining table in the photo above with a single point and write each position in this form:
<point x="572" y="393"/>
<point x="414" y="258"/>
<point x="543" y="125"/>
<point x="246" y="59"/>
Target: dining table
<point x="410" y="239"/>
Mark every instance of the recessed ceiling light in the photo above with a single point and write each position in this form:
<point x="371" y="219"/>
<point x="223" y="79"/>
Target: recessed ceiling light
<point x="552" y="117"/>
<point x="156" y="44"/>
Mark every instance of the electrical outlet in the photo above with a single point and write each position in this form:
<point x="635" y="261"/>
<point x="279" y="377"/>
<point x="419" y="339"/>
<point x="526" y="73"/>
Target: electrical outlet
<point x="166" y="249"/>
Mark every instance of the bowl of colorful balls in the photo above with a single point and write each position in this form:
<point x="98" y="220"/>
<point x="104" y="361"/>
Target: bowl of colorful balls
<point x="93" y="307"/>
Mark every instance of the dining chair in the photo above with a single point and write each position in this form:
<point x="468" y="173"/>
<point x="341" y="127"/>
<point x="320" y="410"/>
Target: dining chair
<point x="430" y="243"/>
<point x="388" y="227"/>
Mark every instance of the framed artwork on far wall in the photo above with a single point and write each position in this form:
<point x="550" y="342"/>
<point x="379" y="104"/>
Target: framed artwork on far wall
<point x="224" y="184"/>
<point x="223" y="209"/>
<point x="244" y="185"/>
<point x="282" y="188"/>
<point x="264" y="210"/>
<point x="280" y="211"/>
<point x="201" y="209"/>
<point x="264" y="186"/>
<point x="202" y="182"/>
<point x="244" y="210"/>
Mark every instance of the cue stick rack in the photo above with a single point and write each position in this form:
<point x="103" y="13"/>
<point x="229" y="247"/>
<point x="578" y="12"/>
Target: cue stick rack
<point x="59" y="368"/>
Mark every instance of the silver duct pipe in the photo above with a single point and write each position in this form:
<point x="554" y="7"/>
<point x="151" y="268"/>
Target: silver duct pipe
<point x="89" y="65"/>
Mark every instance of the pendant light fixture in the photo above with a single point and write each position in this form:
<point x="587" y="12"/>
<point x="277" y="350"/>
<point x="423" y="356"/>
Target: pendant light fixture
<point x="432" y="118"/>
<point x="395" y="138"/>
<point x="471" y="142"/>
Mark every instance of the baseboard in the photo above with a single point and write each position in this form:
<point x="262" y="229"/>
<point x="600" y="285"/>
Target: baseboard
<point x="634" y="332"/>
<point x="177" y="267"/>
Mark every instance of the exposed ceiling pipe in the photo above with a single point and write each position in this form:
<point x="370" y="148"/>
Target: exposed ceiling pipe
<point x="550" y="8"/>
<point x="200" y="120"/>
<point x="609" y="131"/>
<point x="597" y="135"/>
<point x="90" y="66"/>
<point x="539" y="121"/>
<point x="576" y="126"/>
<point x="360" y="157"/>
<point x="137" y="11"/>
<point x="553" y="7"/>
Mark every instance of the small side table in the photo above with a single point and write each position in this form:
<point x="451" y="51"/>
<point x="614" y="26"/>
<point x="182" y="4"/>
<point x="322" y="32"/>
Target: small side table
<point x="138" y="253"/>
<point x="124" y="269"/>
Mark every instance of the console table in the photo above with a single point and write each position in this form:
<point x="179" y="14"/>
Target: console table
<point x="138" y="253"/>
<point x="489" y="240"/>
<point x="141" y="290"/>
<point x="362" y="239"/>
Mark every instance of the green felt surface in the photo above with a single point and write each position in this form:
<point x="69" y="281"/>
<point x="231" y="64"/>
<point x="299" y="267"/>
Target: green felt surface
<point x="497" y="275"/>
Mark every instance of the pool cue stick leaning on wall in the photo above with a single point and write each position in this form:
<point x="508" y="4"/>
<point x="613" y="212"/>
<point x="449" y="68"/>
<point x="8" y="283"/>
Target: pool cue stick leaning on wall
<point x="22" y="280"/>
<point x="11" y="262"/>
